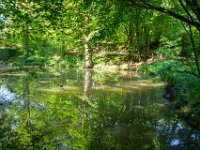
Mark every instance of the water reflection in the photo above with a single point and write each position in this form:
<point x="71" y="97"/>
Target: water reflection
<point x="74" y="109"/>
<point x="6" y="96"/>
<point x="87" y="81"/>
<point x="177" y="136"/>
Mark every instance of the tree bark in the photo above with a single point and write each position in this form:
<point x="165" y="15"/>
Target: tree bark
<point x="88" y="55"/>
<point x="87" y="36"/>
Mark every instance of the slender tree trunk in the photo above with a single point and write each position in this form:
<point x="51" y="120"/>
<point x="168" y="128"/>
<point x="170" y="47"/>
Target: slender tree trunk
<point x="62" y="43"/>
<point x="130" y="40"/>
<point x="146" y="41"/>
<point x="87" y="37"/>
<point x="190" y="34"/>
<point x="138" y="41"/>
<point x="26" y="26"/>
<point x="26" y="42"/>
<point x="88" y="55"/>
<point x="194" y="50"/>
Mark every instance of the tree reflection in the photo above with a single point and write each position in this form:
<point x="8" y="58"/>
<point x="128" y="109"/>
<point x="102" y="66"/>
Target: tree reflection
<point x="26" y="98"/>
<point x="89" y="118"/>
<point x="87" y="81"/>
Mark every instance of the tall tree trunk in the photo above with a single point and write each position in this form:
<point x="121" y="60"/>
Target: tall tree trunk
<point x="87" y="36"/>
<point x="146" y="41"/>
<point x="62" y="43"/>
<point x="195" y="51"/>
<point x="138" y="40"/>
<point x="88" y="55"/>
<point x="26" y="26"/>
<point x="190" y="34"/>
<point x="130" y="40"/>
<point x="26" y="42"/>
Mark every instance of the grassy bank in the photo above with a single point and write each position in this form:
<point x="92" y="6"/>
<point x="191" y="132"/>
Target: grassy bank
<point x="182" y="86"/>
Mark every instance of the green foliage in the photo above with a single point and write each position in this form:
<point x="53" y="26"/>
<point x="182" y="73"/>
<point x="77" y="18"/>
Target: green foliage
<point x="169" y="49"/>
<point x="182" y="86"/>
<point x="31" y="61"/>
<point x="66" y="61"/>
<point x="7" y="53"/>
<point x="186" y="95"/>
<point x="73" y="61"/>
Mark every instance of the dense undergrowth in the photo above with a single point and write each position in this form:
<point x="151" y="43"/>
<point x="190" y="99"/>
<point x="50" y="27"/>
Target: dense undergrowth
<point x="67" y="61"/>
<point x="182" y="86"/>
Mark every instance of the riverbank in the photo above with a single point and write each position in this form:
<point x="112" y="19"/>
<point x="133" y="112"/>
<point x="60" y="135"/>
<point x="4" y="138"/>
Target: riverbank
<point x="182" y="91"/>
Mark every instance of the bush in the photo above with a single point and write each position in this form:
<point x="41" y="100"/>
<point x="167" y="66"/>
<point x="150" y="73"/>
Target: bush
<point x="7" y="53"/>
<point x="73" y="61"/>
<point x="70" y="61"/>
<point x="34" y="60"/>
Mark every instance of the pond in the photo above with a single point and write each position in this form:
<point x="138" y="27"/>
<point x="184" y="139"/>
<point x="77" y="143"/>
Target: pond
<point x="69" y="109"/>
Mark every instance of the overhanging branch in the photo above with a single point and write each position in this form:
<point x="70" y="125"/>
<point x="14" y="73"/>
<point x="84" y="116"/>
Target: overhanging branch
<point x="147" y="5"/>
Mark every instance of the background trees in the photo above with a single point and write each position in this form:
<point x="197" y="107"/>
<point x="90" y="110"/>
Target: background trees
<point x="131" y="29"/>
<point x="186" y="11"/>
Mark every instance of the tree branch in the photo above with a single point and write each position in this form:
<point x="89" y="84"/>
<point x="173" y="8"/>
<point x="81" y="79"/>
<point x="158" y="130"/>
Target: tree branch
<point x="195" y="7"/>
<point x="147" y="5"/>
<point x="188" y="13"/>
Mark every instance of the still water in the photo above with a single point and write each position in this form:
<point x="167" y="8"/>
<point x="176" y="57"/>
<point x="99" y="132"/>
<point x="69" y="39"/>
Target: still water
<point x="86" y="110"/>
